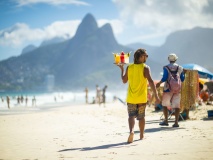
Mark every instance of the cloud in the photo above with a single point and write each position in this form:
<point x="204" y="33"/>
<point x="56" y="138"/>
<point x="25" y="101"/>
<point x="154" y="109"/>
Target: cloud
<point x="51" y="2"/>
<point x="21" y="33"/>
<point x="64" y="29"/>
<point x="166" y="15"/>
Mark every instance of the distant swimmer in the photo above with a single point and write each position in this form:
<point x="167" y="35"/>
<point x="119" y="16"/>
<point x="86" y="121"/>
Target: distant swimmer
<point x="86" y="94"/>
<point x="8" y="102"/>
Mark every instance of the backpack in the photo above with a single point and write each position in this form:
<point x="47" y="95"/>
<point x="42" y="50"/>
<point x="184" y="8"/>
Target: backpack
<point x="174" y="81"/>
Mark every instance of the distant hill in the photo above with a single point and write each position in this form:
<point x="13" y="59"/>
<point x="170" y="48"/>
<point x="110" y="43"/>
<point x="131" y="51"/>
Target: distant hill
<point x="52" y="41"/>
<point x="148" y="48"/>
<point x="28" y="48"/>
<point x="191" y="46"/>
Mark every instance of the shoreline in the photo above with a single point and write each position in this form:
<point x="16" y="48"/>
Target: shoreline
<point x="35" y="109"/>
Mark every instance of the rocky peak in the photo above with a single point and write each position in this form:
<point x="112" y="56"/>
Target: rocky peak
<point x="106" y="35"/>
<point x="87" y="26"/>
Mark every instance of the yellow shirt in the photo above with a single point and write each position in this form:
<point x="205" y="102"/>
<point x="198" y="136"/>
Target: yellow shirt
<point x="137" y="89"/>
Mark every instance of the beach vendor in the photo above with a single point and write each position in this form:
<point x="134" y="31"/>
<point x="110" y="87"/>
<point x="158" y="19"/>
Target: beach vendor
<point x="136" y="75"/>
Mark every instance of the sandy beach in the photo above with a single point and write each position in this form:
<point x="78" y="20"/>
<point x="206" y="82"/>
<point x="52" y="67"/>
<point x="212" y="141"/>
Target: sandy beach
<point x="84" y="132"/>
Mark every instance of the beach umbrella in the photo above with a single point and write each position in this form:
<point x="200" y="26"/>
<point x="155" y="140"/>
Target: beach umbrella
<point x="203" y="72"/>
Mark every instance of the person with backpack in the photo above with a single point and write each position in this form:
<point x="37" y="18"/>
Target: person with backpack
<point x="173" y="76"/>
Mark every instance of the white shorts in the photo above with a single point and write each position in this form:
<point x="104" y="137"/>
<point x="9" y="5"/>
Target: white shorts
<point x="171" y="99"/>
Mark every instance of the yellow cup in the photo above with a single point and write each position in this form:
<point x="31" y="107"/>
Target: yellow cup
<point x="117" y="58"/>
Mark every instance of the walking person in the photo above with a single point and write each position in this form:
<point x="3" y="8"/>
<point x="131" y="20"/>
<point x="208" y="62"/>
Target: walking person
<point x="26" y="100"/>
<point x="104" y="95"/>
<point x="8" y="102"/>
<point x="33" y="101"/>
<point x="173" y="75"/>
<point x="18" y="100"/>
<point x="22" y="99"/>
<point x="98" y="95"/>
<point x="137" y="75"/>
<point x="86" y="94"/>
<point x="2" y="99"/>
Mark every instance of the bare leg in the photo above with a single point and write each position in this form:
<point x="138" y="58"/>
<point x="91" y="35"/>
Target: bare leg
<point x="142" y="126"/>
<point x="165" y="112"/>
<point x="131" y="129"/>
<point x="131" y="124"/>
<point x="177" y="112"/>
<point x="99" y="101"/>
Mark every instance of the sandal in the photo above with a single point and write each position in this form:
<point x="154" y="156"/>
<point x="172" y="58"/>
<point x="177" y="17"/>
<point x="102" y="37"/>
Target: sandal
<point x="175" y="125"/>
<point x="163" y="123"/>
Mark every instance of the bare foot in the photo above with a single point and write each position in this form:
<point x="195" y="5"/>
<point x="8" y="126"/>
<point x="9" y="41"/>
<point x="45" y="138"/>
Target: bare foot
<point x="141" y="136"/>
<point x="130" y="138"/>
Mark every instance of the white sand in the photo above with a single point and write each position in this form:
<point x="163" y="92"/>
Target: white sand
<point x="93" y="132"/>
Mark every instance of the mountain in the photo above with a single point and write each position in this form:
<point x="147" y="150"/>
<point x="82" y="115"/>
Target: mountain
<point x="191" y="46"/>
<point x="28" y="48"/>
<point x="52" y="41"/>
<point x="148" y="48"/>
<point x="82" y="61"/>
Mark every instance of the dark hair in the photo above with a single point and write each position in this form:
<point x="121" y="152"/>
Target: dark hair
<point x="138" y="54"/>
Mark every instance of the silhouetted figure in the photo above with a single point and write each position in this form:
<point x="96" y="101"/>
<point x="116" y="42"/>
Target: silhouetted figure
<point x="98" y="95"/>
<point x="86" y="94"/>
<point x="34" y="101"/>
<point x="103" y="95"/>
<point x="8" y="102"/>
<point x="18" y="100"/>
<point x="93" y="100"/>
<point x="22" y="99"/>
<point x="26" y="100"/>
<point x="2" y="99"/>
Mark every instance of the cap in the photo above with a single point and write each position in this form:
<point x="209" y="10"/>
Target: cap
<point x="172" y="57"/>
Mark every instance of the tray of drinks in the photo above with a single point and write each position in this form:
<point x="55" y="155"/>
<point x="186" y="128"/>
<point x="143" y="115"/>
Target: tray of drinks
<point x="122" y="58"/>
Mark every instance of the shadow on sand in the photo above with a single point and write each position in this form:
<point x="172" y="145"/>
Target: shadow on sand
<point x="122" y="144"/>
<point x="114" y="145"/>
<point x="207" y="119"/>
<point x="162" y="129"/>
<point x="171" y="119"/>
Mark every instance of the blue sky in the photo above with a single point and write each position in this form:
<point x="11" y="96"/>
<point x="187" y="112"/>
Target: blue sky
<point x="24" y="22"/>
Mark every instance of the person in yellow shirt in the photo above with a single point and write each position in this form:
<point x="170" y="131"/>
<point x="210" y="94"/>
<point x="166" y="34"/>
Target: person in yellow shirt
<point x="137" y="75"/>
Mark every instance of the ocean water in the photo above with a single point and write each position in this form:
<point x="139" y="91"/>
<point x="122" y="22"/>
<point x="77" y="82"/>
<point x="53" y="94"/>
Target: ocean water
<point x="52" y="99"/>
